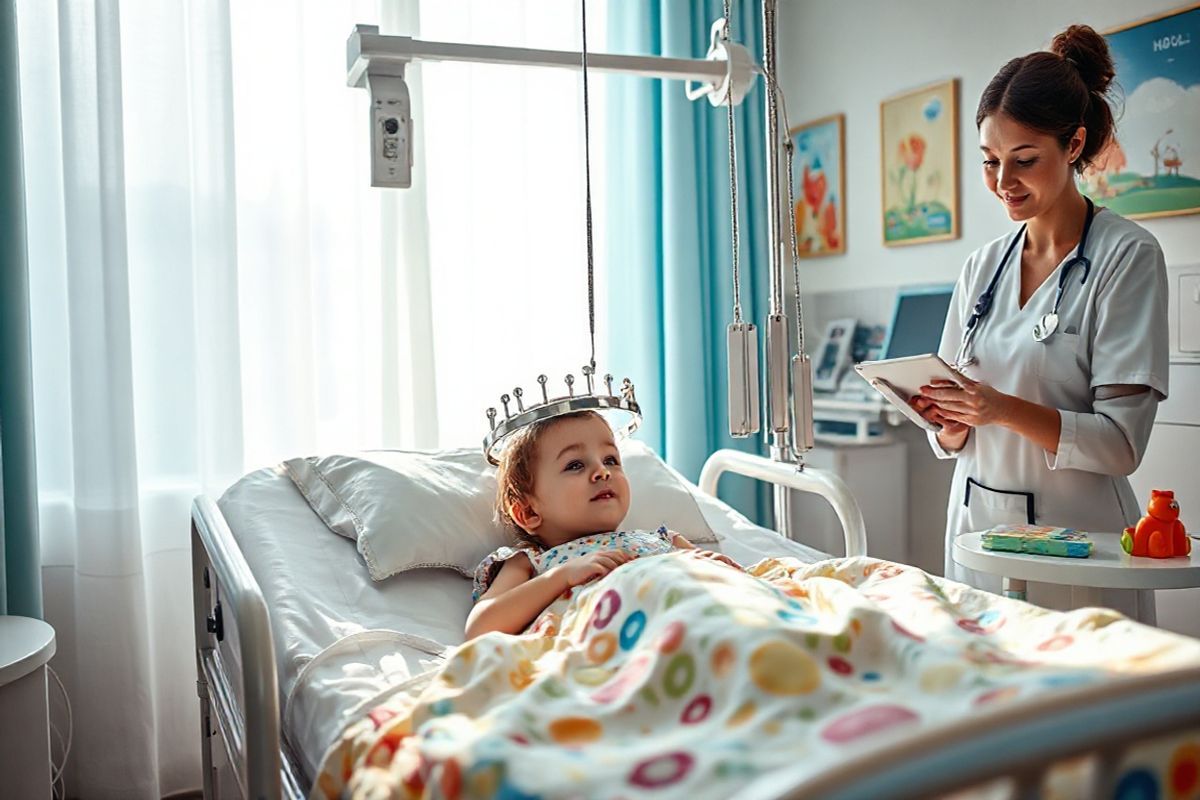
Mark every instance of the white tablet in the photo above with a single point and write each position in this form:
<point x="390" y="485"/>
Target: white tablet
<point x="898" y="379"/>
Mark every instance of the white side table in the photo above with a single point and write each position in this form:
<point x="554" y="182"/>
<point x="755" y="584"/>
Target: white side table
<point x="1108" y="567"/>
<point x="25" y="647"/>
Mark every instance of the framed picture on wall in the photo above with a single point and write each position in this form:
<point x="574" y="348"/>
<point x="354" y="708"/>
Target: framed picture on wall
<point x="819" y="185"/>
<point x="1151" y="168"/>
<point x="918" y="133"/>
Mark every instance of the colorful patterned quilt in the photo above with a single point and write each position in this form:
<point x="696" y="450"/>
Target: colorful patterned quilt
<point x="676" y="676"/>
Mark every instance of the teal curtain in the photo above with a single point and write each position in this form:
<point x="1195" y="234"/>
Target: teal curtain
<point x="670" y="290"/>
<point x="20" y="568"/>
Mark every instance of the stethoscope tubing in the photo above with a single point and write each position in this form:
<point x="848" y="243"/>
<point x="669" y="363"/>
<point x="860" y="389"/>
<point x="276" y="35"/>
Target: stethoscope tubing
<point x="983" y="305"/>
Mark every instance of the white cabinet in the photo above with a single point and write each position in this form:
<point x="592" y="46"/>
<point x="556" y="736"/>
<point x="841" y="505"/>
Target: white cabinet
<point x="1187" y="306"/>
<point x="1172" y="459"/>
<point x="1171" y="462"/>
<point x="25" y="647"/>
<point x="877" y="475"/>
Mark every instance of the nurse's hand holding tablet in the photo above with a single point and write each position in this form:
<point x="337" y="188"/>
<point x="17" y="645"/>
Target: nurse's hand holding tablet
<point x="1058" y="330"/>
<point x="958" y="407"/>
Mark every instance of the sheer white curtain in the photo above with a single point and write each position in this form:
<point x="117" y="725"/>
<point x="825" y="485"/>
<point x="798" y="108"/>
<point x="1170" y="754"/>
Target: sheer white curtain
<point x="215" y="287"/>
<point x="506" y="208"/>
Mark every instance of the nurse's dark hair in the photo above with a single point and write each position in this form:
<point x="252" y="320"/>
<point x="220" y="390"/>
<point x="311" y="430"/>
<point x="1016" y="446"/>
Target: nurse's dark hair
<point x="1057" y="91"/>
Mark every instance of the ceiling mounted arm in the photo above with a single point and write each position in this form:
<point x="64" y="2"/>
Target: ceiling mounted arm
<point x="367" y="49"/>
<point x="376" y="62"/>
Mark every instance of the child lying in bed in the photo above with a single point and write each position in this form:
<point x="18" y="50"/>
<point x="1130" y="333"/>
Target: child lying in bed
<point x="563" y="492"/>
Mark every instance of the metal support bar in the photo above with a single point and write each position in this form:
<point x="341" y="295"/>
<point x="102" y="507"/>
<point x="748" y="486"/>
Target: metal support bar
<point x="366" y="46"/>
<point x="782" y="498"/>
<point x="778" y="368"/>
<point x="774" y="197"/>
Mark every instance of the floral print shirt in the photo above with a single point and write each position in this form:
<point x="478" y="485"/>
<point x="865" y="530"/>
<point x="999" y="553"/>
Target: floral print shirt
<point x="636" y="543"/>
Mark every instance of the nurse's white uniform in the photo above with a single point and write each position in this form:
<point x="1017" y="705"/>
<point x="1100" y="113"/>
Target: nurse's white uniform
<point x="1111" y="330"/>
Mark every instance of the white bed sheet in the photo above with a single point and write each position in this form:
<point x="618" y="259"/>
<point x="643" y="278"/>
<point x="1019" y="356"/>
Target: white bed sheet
<point x="341" y="638"/>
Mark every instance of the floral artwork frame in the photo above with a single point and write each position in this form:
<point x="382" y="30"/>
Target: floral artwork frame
<point x="819" y="186"/>
<point x="918" y="138"/>
<point x="1138" y="174"/>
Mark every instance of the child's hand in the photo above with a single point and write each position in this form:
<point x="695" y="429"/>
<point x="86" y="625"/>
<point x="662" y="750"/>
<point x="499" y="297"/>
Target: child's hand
<point x="581" y="570"/>
<point x="714" y="556"/>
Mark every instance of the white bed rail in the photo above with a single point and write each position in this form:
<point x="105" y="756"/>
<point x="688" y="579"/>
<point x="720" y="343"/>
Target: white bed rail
<point x="1021" y="742"/>
<point x="227" y="600"/>
<point x="815" y="481"/>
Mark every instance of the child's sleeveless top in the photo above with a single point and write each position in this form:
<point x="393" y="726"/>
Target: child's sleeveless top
<point x="637" y="543"/>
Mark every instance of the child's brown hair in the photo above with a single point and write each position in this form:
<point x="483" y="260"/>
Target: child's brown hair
<point x="514" y="476"/>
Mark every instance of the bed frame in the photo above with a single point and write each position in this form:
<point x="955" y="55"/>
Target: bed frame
<point x="239" y="690"/>
<point x="235" y="667"/>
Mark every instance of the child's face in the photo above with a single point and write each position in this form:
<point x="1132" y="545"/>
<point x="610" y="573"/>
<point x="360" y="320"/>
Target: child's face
<point x="579" y="486"/>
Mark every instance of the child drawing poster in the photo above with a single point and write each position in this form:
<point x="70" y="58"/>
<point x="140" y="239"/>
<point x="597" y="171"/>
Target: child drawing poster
<point x="919" y="141"/>
<point x="819" y="186"/>
<point x="1151" y="168"/>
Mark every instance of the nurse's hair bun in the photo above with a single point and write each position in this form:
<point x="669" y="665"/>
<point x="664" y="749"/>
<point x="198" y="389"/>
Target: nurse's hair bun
<point x="1087" y="51"/>
<point x="1056" y="92"/>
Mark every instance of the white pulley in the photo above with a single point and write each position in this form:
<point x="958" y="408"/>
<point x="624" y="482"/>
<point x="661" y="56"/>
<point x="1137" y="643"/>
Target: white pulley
<point x="739" y="70"/>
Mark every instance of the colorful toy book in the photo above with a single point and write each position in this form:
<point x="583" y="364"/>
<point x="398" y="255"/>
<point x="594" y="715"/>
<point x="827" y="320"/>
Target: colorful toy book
<point x="1038" y="540"/>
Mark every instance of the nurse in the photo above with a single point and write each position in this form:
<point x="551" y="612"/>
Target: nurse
<point x="1060" y="327"/>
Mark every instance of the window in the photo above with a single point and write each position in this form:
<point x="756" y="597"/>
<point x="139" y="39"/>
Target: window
<point x="504" y="157"/>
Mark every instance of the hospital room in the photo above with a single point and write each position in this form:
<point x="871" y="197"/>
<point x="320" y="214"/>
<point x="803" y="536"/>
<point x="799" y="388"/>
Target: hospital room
<point x="597" y="399"/>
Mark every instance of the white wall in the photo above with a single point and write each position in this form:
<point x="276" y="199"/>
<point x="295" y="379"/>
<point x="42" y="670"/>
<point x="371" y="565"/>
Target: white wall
<point x="847" y="55"/>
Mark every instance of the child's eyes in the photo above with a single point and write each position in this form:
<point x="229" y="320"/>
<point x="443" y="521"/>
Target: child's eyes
<point x="575" y="466"/>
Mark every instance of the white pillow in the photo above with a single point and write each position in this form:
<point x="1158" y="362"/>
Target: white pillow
<point x="408" y="510"/>
<point x="661" y="496"/>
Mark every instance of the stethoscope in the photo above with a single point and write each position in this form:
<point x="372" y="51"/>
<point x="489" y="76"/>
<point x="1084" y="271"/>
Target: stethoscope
<point x="1048" y="324"/>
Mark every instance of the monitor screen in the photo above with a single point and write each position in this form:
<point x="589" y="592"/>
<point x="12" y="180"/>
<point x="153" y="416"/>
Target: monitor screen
<point x="917" y="321"/>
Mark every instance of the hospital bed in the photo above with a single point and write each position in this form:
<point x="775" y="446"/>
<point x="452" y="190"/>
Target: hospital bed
<point x="293" y="639"/>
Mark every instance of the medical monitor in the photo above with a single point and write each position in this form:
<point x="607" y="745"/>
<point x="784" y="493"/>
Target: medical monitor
<point x="917" y="320"/>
